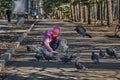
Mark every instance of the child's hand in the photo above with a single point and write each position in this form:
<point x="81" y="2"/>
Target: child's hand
<point x="54" y="52"/>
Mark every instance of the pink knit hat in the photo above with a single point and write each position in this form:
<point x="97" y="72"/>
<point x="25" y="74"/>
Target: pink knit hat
<point x="56" y="29"/>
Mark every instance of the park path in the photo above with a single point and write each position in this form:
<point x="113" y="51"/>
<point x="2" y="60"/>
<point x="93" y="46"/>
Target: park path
<point x="23" y="65"/>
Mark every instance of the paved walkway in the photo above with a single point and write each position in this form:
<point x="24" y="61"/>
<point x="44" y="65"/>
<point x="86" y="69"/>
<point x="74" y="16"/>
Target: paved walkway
<point x="23" y="65"/>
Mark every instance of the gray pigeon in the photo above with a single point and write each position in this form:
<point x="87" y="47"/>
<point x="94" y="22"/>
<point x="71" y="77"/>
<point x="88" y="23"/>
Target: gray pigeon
<point x="117" y="56"/>
<point x="101" y="53"/>
<point x="95" y="57"/>
<point x="48" y="57"/>
<point x="66" y="58"/>
<point x="28" y="49"/>
<point x="82" y="31"/>
<point x="32" y="48"/>
<point x="38" y="56"/>
<point x="77" y="55"/>
<point x="111" y="53"/>
<point x="79" y="66"/>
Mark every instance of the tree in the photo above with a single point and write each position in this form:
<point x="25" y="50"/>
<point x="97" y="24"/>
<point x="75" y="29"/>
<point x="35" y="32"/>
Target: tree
<point x="119" y="11"/>
<point x="4" y="5"/>
<point x="109" y="13"/>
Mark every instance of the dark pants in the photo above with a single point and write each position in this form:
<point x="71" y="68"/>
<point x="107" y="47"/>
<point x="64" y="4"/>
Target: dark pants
<point x="8" y="18"/>
<point x="54" y="45"/>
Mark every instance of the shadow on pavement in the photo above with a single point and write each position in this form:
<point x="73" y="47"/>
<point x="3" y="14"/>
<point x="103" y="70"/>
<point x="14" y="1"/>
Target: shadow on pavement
<point x="59" y="64"/>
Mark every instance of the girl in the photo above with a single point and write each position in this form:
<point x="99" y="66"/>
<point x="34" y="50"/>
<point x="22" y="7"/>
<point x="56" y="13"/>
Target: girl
<point x="52" y="45"/>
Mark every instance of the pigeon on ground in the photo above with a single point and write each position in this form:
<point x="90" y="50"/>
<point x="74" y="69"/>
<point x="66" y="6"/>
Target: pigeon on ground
<point x="101" y="53"/>
<point x="28" y="48"/>
<point x="78" y="54"/>
<point x="48" y="57"/>
<point x="79" y="66"/>
<point x="111" y="53"/>
<point x="95" y="57"/>
<point x="32" y="48"/>
<point x="66" y="59"/>
<point x="82" y="31"/>
<point x="38" y="56"/>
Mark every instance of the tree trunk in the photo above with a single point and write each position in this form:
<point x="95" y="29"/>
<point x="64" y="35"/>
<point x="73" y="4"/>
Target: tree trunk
<point x="85" y="14"/>
<point x="119" y="12"/>
<point x="76" y="13"/>
<point x="72" y="12"/>
<point x="95" y="13"/>
<point x="104" y="11"/>
<point x="98" y="12"/>
<point x="89" y="13"/>
<point x="101" y="13"/>
<point x="60" y="13"/>
<point x="80" y="12"/>
<point x="109" y="13"/>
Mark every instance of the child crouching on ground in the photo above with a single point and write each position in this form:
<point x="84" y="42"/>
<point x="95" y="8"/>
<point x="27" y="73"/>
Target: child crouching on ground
<point x="52" y="45"/>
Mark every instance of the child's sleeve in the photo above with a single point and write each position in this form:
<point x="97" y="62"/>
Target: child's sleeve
<point x="46" y="44"/>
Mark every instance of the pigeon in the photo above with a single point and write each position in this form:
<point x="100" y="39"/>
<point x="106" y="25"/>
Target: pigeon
<point x="31" y="48"/>
<point x="28" y="48"/>
<point x="95" y="57"/>
<point x="101" y="53"/>
<point x="38" y="57"/>
<point x="48" y="57"/>
<point x="111" y="53"/>
<point x="82" y="31"/>
<point x="78" y="54"/>
<point x="79" y="66"/>
<point x="65" y="59"/>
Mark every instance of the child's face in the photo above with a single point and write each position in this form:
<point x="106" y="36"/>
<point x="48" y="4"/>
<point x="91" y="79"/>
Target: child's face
<point x="55" y="33"/>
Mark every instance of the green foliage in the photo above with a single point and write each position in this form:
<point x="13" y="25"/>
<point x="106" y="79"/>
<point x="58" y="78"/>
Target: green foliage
<point x="4" y="5"/>
<point x="68" y="1"/>
<point x="65" y="8"/>
<point x="88" y="2"/>
<point x="51" y="5"/>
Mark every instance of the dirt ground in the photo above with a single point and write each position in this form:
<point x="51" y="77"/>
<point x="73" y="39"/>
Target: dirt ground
<point x="23" y="65"/>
